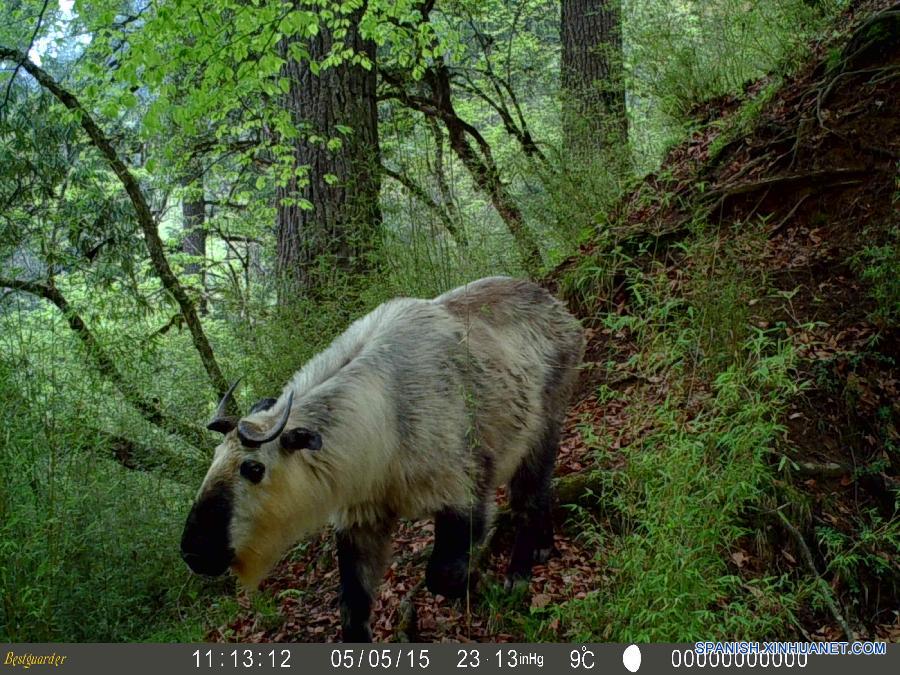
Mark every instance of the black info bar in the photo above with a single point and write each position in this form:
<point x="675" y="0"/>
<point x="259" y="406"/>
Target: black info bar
<point x="579" y="659"/>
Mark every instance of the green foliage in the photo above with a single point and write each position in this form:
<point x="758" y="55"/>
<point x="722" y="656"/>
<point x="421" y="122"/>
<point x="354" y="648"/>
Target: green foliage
<point x="594" y="275"/>
<point x="743" y="122"/>
<point x="681" y="54"/>
<point x="87" y="548"/>
<point x="859" y="560"/>
<point x="688" y="484"/>
<point x="879" y="266"/>
<point x="192" y="95"/>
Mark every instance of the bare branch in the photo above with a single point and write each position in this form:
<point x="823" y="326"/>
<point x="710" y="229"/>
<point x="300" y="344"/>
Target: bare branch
<point x="417" y="191"/>
<point x="827" y="593"/>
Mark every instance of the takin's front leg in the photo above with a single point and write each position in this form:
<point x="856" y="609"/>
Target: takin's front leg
<point x="456" y="534"/>
<point x="363" y="555"/>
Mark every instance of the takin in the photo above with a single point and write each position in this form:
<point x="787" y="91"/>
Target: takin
<point x="422" y="407"/>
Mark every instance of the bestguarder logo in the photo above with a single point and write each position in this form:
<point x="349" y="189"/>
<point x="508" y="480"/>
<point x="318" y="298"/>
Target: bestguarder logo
<point x="28" y="660"/>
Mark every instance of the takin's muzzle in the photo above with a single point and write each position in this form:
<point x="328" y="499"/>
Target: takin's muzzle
<point x="205" y="542"/>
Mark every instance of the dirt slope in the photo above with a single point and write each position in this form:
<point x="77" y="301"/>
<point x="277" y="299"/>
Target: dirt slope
<point x="820" y="167"/>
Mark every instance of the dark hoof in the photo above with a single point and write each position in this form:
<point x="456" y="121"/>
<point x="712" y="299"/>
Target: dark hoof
<point x="452" y="579"/>
<point x="356" y="634"/>
<point x="517" y="585"/>
<point x="542" y="555"/>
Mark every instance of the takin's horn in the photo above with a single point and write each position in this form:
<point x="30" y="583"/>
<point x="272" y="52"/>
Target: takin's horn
<point x="252" y="437"/>
<point x="222" y="421"/>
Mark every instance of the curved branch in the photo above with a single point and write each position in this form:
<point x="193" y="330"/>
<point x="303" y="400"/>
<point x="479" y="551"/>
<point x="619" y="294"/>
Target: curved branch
<point x="105" y="365"/>
<point x="37" y="29"/>
<point x="827" y="593"/>
<point x="520" y="133"/>
<point x="439" y="175"/>
<point x="142" y="211"/>
<point x="417" y="191"/>
<point x="480" y="165"/>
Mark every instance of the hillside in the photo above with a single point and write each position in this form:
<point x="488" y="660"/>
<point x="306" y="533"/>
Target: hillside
<point x="734" y="446"/>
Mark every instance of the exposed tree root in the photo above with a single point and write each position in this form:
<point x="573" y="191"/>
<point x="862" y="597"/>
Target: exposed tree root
<point x="827" y="594"/>
<point x="408" y="626"/>
<point x="816" y="178"/>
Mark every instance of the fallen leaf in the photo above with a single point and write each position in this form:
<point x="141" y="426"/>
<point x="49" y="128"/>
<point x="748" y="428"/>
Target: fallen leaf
<point x="739" y="558"/>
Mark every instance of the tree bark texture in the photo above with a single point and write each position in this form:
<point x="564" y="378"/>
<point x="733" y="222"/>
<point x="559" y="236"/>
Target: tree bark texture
<point x="342" y="229"/>
<point x="193" y="241"/>
<point x="593" y="86"/>
<point x="193" y="217"/>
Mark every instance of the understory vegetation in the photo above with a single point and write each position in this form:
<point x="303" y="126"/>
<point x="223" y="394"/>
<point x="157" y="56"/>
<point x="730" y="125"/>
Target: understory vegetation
<point x="700" y="464"/>
<point x="737" y="419"/>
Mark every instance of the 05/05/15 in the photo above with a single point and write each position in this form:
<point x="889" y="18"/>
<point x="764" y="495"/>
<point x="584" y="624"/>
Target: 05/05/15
<point x="380" y="658"/>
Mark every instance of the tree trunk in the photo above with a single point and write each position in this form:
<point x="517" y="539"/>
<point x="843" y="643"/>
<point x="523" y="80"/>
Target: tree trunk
<point x="193" y="242"/>
<point x="593" y="86"/>
<point x="341" y="230"/>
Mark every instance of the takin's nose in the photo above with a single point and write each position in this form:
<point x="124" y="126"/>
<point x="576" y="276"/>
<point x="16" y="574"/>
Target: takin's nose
<point x="211" y="566"/>
<point x="205" y="545"/>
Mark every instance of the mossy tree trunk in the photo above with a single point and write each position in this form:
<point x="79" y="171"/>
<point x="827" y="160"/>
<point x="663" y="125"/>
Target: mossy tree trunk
<point x="593" y="85"/>
<point x="193" y="241"/>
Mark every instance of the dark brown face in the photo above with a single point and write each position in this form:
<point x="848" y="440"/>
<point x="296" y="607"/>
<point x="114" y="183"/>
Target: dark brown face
<point x="206" y="542"/>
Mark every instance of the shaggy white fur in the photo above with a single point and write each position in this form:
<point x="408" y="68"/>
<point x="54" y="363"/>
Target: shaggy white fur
<point x="412" y="402"/>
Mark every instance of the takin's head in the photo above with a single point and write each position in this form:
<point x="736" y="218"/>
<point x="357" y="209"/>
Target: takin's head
<point x="259" y="496"/>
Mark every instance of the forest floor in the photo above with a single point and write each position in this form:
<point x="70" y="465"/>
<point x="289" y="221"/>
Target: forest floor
<point x="813" y="166"/>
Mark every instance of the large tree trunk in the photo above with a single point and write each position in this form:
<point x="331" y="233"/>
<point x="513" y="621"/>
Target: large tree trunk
<point x="342" y="228"/>
<point x="593" y="86"/>
<point x="193" y="242"/>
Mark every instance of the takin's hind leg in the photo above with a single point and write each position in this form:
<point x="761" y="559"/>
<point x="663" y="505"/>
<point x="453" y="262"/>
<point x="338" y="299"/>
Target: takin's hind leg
<point x="456" y="534"/>
<point x="363" y="554"/>
<point x="530" y="503"/>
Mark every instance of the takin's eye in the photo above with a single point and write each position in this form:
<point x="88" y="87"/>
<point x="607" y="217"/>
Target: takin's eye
<point x="252" y="470"/>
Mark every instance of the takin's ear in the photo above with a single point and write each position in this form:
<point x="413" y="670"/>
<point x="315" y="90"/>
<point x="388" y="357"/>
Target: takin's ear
<point x="222" y="424"/>
<point x="262" y="404"/>
<point x="301" y="439"/>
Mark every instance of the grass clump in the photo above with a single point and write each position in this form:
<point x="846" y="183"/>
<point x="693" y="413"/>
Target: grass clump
<point x="879" y="267"/>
